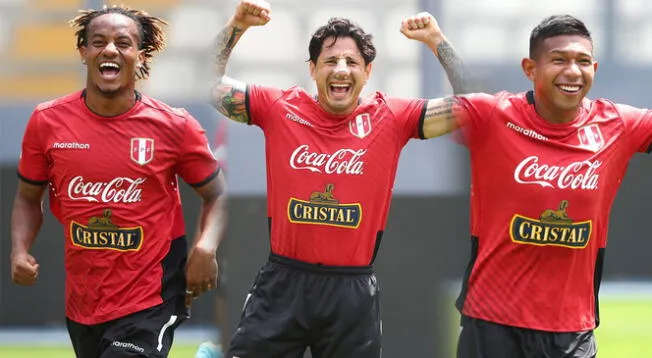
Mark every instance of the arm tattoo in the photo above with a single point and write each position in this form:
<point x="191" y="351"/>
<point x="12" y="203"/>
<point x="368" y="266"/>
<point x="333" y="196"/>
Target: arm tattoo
<point x="454" y="68"/>
<point x="443" y="113"/>
<point x="226" y="40"/>
<point x="228" y="96"/>
<point x="230" y="101"/>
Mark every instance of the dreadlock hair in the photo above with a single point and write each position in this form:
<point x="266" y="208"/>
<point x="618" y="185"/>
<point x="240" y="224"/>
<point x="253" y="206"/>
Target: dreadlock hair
<point x="151" y="36"/>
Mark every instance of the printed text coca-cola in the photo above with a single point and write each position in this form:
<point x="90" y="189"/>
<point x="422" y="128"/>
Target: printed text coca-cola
<point x="342" y="161"/>
<point x="118" y="190"/>
<point x="576" y="175"/>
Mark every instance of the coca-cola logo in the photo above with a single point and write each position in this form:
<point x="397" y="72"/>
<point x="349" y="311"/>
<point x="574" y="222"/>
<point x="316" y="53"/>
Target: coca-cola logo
<point x="342" y="161"/>
<point x="118" y="190"/>
<point x="576" y="175"/>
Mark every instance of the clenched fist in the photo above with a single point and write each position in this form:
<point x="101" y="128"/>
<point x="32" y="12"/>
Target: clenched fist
<point x="24" y="269"/>
<point x="251" y="13"/>
<point x="422" y="27"/>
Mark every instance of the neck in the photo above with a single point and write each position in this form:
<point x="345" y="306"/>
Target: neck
<point x="553" y="115"/>
<point x="329" y="110"/>
<point x="110" y="105"/>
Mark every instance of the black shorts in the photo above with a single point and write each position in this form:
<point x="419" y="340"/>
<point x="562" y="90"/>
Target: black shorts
<point x="292" y="306"/>
<point x="148" y="333"/>
<point x="483" y="339"/>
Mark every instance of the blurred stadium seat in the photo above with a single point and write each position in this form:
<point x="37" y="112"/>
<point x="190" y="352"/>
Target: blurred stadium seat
<point x="361" y="16"/>
<point x="403" y="82"/>
<point x="64" y="5"/>
<point x="37" y="45"/>
<point x="192" y="27"/>
<point x="280" y="41"/>
<point x="173" y="77"/>
<point x="44" y="43"/>
<point x="474" y="46"/>
<point x="38" y="85"/>
<point x="269" y="78"/>
<point x="4" y="33"/>
<point x="395" y="46"/>
<point x="154" y="7"/>
<point x="633" y="8"/>
<point x="39" y="56"/>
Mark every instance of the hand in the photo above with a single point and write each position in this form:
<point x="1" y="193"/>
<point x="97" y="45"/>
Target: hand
<point x="251" y="13"/>
<point x="201" y="272"/>
<point x="24" y="269"/>
<point x="422" y="27"/>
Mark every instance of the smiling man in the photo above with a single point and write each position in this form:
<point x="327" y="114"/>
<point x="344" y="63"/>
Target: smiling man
<point x="331" y="164"/>
<point x="110" y="157"/>
<point x="546" y="165"/>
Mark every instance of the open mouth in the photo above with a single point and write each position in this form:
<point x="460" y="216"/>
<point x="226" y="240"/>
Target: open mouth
<point x="570" y="89"/>
<point x="109" y="70"/>
<point x="340" y="90"/>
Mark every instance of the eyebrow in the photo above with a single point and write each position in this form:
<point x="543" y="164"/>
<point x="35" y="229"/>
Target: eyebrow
<point x="102" y="36"/>
<point x="352" y="57"/>
<point x="564" y="52"/>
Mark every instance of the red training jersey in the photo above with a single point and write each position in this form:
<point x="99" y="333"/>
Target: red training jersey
<point x="113" y="186"/>
<point x="330" y="178"/>
<point x="540" y="200"/>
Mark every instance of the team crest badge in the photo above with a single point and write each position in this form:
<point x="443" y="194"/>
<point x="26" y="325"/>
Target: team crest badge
<point x="360" y="126"/>
<point x="590" y="137"/>
<point x="142" y="150"/>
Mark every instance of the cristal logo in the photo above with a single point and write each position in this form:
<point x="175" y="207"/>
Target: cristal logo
<point x="342" y="161"/>
<point x="576" y="175"/>
<point x="118" y="190"/>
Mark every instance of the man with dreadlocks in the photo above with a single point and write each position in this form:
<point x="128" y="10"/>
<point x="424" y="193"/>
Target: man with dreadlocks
<point x="110" y="157"/>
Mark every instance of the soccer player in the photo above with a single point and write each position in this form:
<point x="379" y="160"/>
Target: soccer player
<point x="110" y="157"/>
<point x="331" y="164"/>
<point x="546" y="166"/>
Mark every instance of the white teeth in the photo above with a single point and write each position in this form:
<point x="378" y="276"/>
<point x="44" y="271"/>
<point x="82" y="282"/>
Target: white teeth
<point x="109" y="64"/>
<point x="340" y="86"/>
<point x="570" y="88"/>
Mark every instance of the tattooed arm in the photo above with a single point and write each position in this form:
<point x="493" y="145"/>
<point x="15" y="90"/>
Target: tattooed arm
<point x="442" y="114"/>
<point x="228" y="95"/>
<point x="424" y="28"/>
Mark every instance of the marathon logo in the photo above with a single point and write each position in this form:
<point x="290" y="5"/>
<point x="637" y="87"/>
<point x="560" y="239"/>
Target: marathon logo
<point x="553" y="228"/>
<point x="324" y="209"/>
<point x="101" y="233"/>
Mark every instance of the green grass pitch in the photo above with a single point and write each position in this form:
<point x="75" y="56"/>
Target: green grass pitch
<point x="625" y="328"/>
<point x="625" y="332"/>
<point x="178" y="351"/>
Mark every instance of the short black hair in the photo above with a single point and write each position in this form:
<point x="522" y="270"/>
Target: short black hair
<point x="556" y="25"/>
<point x="340" y="28"/>
<point x="151" y="36"/>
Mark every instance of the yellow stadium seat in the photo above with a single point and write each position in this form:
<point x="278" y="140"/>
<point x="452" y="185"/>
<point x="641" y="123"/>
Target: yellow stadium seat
<point x="150" y="6"/>
<point x="57" y="5"/>
<point x="43" y="43"/>
<point x="40" y="86"/>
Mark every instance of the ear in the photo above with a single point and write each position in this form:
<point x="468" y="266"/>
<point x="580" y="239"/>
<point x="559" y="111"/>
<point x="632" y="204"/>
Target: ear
<point x="313" y="70"/>
<point x="595" y="66"/>
<point x="82" y="54"/>
<point x="367" y="69"/>
<point x="529" y="67"/>
<point x="141" y="58"/>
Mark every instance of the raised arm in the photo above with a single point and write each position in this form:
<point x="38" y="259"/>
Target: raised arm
<point x="228" y="95"/>
<point x="442" y="114"/>
<point x="424" y="28"/>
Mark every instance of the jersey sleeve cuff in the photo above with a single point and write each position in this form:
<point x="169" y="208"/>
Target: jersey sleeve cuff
<point x="31" y="181"/>
<point x="422" y="118"/>
<point x="248" y="105"/>
<point x="207" y="180"/>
